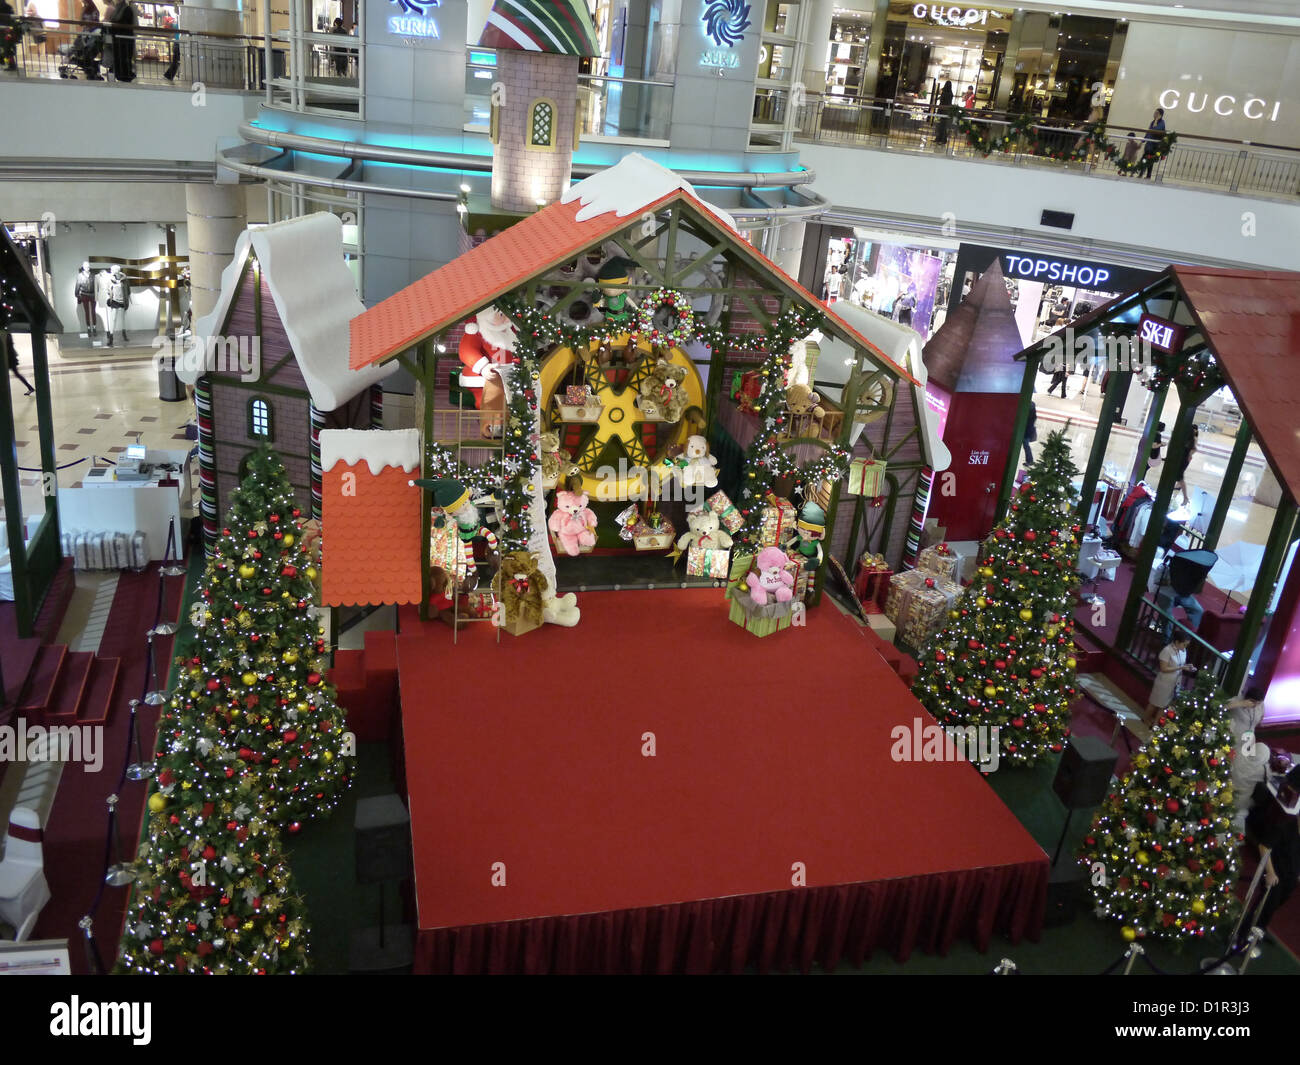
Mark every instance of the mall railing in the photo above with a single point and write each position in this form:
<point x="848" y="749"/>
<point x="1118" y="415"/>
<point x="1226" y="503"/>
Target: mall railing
<point x="1230" y="166"/>
<point x="1154" y="630"/>
<point x="55" y="48"/>
<point x="624" y="108"/>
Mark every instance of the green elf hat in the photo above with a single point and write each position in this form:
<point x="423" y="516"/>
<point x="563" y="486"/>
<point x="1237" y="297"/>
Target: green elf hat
<point x="614" y="272"/>
<point x="812" y="518"/>
<point x="448" y="495"/>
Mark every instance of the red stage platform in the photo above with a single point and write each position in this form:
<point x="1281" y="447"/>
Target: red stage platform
<point x="769" y="752"/>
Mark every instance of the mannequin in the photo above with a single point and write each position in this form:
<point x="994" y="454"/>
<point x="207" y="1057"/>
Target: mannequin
<point x="84" y="290"/>
<point x="119" y="299"/>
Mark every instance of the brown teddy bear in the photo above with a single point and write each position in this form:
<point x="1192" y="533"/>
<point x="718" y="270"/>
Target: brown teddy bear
<point x="555" y="459"/>
<point x="662" y="393"/>
<point x="806" y="411"/>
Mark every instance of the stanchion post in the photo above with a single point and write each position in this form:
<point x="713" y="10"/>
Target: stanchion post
<point x="120" y="873"/>
<point x="1134" y="952"/>
<point x="93" y="961"/>
<point x="155" y="696"/>
<point x="172" y="554"/>
<point x="139" y="769"/>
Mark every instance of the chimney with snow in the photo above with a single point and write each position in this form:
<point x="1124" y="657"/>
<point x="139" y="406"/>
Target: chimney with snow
<point x="535" y="105"/>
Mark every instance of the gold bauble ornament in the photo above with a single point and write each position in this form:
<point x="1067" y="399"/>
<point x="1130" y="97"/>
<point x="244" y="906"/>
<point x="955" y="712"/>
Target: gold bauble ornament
<point x="981" y="602"/>
<point x="288" y="540"/>
<point x="1070" y="663"/>
<point x="157" y="802"/>
<point x="327" y="756"/>
<point x="1198" y="906"/>
<point x="250" y="679"/>
<point x="1026" y="614"/>
<point x="290" y="656"/>
<point x="1142" y="858"/>
<point x="311" y="573"/>
<point x="247" y="572"/>
<point x="990" y="691"/>
<point x="1128" y="933"/>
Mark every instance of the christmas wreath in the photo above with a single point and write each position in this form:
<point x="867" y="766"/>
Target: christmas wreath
<point x="684" y="314"/>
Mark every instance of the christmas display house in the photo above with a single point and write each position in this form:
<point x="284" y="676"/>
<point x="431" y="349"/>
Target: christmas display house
<point x="610" y="431"/>
<point x="269" y="362"/>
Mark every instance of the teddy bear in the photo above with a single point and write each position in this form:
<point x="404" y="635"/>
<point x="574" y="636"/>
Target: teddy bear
<point x="662" y="392"/>
<point x="554" y="458"/>
<point x="806" y="411"/>
<point x="770" y="578"/>
<point x="572" y="522"/>
<point x="699" y="468"/>
<point x="705" y="531"/>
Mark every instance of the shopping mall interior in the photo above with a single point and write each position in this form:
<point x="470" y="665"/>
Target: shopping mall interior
<point x="976" y="240"/>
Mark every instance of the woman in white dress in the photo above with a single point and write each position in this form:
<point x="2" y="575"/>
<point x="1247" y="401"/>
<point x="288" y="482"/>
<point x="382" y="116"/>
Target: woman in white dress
<point x="1170" y="666"/>
<point x="1249" y="756"/>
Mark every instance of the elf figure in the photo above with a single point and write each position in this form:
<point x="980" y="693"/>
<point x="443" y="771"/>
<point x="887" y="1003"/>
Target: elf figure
<point x="615" y="304"/>
<point x="452" y="498"/>
<point x="810" y="530"/>
<point x="488" y="344"/>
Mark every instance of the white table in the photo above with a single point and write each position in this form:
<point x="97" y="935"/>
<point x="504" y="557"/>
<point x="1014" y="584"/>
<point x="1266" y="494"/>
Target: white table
<point x="105" y="504"/>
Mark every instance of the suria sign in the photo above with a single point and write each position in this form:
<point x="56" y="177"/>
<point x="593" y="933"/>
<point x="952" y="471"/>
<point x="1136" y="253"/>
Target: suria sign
<point x="1032" y="268"/>
<point x="951" y="15"/>
<point x="1226" y="105"/>
<point x="416" y="21"/>
<point x="725" y="22"/>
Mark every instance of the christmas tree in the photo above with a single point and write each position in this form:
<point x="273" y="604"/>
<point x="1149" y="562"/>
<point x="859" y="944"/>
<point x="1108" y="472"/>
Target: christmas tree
<point x="259" y="660"/>
<point x="1005" y="658"/>
<point x="215" y="895"/>
<point x="1161" y="850"/>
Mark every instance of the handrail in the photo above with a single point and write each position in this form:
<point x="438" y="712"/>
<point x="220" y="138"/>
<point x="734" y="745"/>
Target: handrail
<point x="149" y="31"/>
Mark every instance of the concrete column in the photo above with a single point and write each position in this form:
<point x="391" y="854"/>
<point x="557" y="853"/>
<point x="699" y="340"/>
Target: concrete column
<point x="787" y="247"/>
<point x="215" y="61"/>
<point x="817" y="45"/>
<point x="214" y="217"/>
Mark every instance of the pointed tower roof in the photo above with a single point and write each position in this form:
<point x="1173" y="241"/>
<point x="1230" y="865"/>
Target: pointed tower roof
<point x="975" y="349"/>
<point x="560" y="27"/>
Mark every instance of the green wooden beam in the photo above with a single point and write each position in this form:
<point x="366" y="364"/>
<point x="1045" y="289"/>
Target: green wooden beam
<point x="10" y="488"/>
<point x="1116" y="392"/>
<point x="1228" y="485"/>
<point x="1279" y="540"/>
<point x="1017" y="434"/>
<point x="1147" y="440"/>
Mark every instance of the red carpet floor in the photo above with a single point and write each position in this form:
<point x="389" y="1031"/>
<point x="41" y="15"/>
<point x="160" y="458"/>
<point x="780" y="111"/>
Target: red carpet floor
<point x="770" y="752"/>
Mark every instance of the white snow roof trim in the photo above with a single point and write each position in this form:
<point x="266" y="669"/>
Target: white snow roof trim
<point x="630" y="185"/>
<point x="316" y="297"/>
<point x="377" y="448"/>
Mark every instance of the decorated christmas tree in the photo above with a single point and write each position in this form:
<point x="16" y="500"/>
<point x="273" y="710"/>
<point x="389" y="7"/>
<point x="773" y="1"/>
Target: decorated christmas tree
<point x="1005" y="658"/>
<point x="1161" y="850"/>
<point x="259" y="665"/>
<point x="215" y="895"/>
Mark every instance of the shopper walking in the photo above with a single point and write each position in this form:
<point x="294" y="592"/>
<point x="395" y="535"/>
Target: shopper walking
<point x="1181" y="483"/>
<point x="1129" y="160"/>
<point x="1154" y="136"/>
<point x="169" y="23"/>
<point x="968" y="101"/>
<point x="123" y="22"/>
<point x="339" y="56"/>
<point x="1031" y="433"/>
<point x="11" y="359"/>
<point x="945" y="105"/>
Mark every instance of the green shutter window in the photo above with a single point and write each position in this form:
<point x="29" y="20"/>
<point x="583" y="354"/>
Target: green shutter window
<point x="543" y="125"/>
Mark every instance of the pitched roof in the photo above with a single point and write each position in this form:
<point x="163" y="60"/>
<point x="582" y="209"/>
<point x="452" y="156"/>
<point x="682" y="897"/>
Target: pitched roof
<point x="1251" y="319"/>
<point x="560" y="27"/>
<point x="301" y="261"/>
<point x="370" y="534"/>
<point x="538" y="244"/>
<point x="975" y="348"/>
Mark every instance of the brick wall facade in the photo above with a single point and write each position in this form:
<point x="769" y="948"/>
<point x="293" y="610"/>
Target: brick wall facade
<point x="522" y="175"/>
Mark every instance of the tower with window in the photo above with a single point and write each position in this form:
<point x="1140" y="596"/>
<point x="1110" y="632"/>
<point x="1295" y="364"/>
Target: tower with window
<point x="535" y="110"/>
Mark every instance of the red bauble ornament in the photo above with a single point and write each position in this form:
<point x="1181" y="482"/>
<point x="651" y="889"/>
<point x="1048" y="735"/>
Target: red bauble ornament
<point x="1030" y="535"/>
<point x="213" y="684"/>
<point x="313" y="678"/>
<point x="156" y="947"/>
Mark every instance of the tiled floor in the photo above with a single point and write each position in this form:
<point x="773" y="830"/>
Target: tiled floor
<point x="102" y="401"/>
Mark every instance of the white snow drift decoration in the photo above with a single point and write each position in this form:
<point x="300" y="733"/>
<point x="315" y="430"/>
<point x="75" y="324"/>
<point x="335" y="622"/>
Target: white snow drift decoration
<point x="903" y="345"/>
<point x="377" y="448"/>
<point x="307" y="277"/>
<point x="630" y="185"/>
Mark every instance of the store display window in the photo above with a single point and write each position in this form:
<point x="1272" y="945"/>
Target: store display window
<point x="907" y="284"/>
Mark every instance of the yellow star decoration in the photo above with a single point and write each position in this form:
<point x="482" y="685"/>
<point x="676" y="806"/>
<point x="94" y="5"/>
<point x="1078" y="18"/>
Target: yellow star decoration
<point x="675" y="554"/>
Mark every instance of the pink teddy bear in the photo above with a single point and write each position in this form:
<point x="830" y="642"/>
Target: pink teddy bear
<point x="572" y="522"/>
<point x="770" y="577"/>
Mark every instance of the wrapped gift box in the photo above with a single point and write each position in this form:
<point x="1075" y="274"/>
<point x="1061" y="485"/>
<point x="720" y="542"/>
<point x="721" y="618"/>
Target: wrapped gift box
<point x="760" y="620"/>
<point x="778" y="517"/>
<point x="729" y="517"/>
<point x="447" y="552"/>
<point x="577" y="395"/>
<point x="707" y="562"/>
<point x="871" y="582"/>
<point x="882" y="626"/>
<point x="867" y="478"/>
<point x="745" y="388"/>
<point x="940" y="561"/>
<point x="918" y="603"/>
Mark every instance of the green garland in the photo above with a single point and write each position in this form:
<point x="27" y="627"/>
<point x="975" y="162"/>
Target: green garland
<point x="1032" y="140"/>
<point x="1197" y="371"/>
<point x="766" y="460"/>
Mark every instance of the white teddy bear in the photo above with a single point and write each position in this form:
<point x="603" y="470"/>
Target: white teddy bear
<point x="705" y="531"/>
<point x="699" y="469"/>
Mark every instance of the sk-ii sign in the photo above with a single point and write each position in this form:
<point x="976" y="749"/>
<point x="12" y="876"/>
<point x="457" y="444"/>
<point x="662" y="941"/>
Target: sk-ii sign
<point x="1162" y="335"/>
<point x="415" y="20"/>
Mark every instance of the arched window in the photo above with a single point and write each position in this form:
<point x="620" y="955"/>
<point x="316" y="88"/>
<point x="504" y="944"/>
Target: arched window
<point x="541" y="125"/>
<point x="259" y="419"/>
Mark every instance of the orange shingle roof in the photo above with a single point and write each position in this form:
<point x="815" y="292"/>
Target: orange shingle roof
<point x="530" y="248"/>
<point x="370" y="538"/>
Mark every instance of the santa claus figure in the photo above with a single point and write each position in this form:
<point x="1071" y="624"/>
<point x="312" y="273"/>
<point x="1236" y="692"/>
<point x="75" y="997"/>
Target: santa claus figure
<point x="488" y="344"/>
